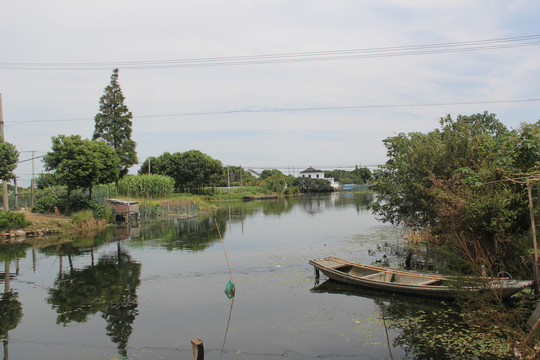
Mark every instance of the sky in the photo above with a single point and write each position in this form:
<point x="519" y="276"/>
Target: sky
<point x="282" y="84"/>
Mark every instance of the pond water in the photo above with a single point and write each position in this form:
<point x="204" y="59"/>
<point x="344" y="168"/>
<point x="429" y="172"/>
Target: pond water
<point x="146" y="291"/>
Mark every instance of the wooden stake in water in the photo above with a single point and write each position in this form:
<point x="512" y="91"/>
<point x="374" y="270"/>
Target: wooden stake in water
<point x="229" y="288"/>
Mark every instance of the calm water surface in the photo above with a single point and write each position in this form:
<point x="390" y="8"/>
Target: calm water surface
<point x="145" y="292"/>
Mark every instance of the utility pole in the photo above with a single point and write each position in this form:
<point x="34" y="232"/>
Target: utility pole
<point x="4" y="182"/>
<point x="535" y="246"/>
<point x="33" y="182"/>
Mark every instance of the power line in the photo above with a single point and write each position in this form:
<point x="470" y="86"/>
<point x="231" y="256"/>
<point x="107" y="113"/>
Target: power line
<point x="35" y="157"/>
<point x="327" y="55"/>
<point x="276" y="110"/>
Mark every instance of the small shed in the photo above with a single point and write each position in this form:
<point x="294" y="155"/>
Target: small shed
<point x="123" y="209"/>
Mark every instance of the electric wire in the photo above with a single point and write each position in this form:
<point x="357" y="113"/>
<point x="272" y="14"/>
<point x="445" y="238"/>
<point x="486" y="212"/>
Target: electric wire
<point x="327" y="55"/>
<point x="277" y="110"/>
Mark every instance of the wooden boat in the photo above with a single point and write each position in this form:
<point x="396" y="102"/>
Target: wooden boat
<point x="412" y="283"/>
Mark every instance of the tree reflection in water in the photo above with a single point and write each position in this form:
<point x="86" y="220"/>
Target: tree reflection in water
<point x="10" y="316"/>
<point x="10" y="306"/>
<point x="108" y="287"/>
<point x="428" y="328"/>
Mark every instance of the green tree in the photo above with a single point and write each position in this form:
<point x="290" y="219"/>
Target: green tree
<point x="527" y="148"/>
<point x="158" y="165"/>
<point x="267" y="173"/>
<point x="451" y="183"/>
<point x="276" y="183"/>
<point x="113" y="125"/>
<point x="46" y="180"/>
<point x="191" y="170"/>
<point x="8" y="160"/>
<point x="363" y="173"/>
<point x="477" y="144"/>
<point x="310" y="185"/>
<point x="357" y="176"/>
<point x="237" y="176"/>
<point x="198" y="170"/>
<point x="81" y="163"/>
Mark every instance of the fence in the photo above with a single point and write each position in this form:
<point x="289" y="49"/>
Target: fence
<point x="149" y="211"/>
<point x="354" y="187"/>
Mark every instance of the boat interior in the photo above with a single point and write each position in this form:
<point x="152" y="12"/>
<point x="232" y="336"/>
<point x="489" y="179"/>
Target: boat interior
<point x="386" y="276"/>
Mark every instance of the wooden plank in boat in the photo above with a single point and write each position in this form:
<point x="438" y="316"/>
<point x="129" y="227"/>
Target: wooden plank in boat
<point x="330" y="263"/>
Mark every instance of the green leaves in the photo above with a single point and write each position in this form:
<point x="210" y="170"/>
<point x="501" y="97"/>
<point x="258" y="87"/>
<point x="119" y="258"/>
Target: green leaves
<point x="113" y="124"/>
<point x="451" y="182"/>
<point x="8" y="159"/>
<point x="81" y="162"/>
<point x="191" y="170"/>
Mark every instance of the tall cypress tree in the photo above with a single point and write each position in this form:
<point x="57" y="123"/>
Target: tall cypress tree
<point x="113" y="124"/>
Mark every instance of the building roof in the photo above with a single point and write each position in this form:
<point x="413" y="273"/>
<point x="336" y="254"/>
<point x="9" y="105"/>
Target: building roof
<point x="310" y="170"/>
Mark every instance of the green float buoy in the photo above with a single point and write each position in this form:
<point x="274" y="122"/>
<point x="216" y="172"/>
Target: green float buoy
<point x="230" y="289"/>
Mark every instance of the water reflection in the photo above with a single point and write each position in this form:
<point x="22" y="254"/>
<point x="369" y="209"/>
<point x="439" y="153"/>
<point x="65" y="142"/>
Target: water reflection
<point x="108" y="287"/>
<point x="194" y="234"/>
<point x="10" y="316"/>
<point x="96" y="284"/>
<point x="10" y="306"/>
<point x="410" y="316"/>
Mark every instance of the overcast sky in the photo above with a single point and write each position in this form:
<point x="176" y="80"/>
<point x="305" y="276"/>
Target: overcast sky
<point x="337" y="84"/>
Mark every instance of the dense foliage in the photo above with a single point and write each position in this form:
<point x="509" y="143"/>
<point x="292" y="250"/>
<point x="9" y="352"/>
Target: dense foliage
<point x="12" y="220"/>
<point x="267" y="173"/>
<point x="8" y="159"/>
<point x="113" y="125"/>
<point x="81" y="163"/>
<point x="45" y="181"/>
<point x="191" y="170"/>
<point x="277" y="183"/>
<point x="237" y="176"/>
<point x="310" y="185"/>
<point x="50" y="201"/>
<point x="453" y="183"/>
<point x="357" y="176"/>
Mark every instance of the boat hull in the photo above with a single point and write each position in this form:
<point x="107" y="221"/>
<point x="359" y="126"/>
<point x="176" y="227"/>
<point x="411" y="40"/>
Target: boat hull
<point x="409" y="283"/>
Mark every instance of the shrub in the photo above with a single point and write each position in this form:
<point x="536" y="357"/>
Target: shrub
<point x="46" y="201"/>
<point x="309" y="185"/>
<point x="12" y="220"/>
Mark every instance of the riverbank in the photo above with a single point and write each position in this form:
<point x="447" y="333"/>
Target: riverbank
<point x="42" y="225"/>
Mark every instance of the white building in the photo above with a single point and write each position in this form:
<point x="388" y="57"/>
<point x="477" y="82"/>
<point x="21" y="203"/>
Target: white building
<point x="312" y="173"/>
<point x="317" y="174"/>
